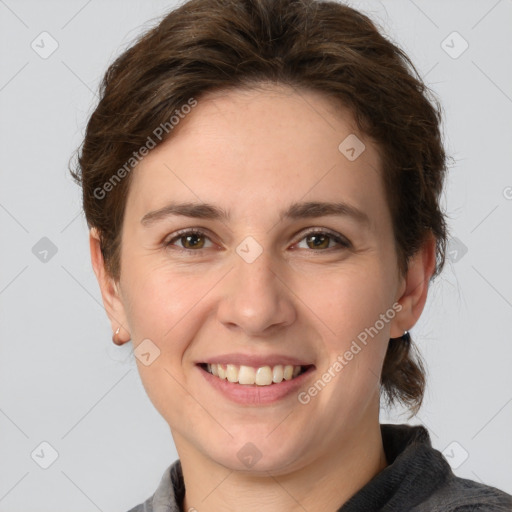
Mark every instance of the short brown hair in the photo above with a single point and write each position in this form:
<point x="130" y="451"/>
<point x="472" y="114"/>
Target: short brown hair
<point x="325" y="46"/>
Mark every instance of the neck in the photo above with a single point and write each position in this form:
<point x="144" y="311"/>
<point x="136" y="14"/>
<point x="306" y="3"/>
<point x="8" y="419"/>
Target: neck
<point x="324" y="484"/>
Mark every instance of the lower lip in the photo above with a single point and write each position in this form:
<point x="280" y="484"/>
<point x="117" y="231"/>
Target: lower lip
<point x="256" y="395"/>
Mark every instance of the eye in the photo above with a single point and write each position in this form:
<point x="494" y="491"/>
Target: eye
<point x="194" y="240"/>
<point x="321" y="238"/>
<point x="191" y="239"/>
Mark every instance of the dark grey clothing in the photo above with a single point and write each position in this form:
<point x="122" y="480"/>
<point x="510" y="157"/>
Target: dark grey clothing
<point x="417" y="479"/>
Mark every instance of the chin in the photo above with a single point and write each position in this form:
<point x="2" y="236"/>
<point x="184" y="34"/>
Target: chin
<point x="254" y="458"/>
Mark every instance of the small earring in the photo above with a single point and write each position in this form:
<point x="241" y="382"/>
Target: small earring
<point x="115" y="337"/>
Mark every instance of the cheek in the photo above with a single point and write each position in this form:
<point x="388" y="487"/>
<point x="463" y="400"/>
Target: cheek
<point x="164" y="308"/>
<point x="357" y="311"/>
<point x="354" y="300"/>
<point x="158" y="300"/>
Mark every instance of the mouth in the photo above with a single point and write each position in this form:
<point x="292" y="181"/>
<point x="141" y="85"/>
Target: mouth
<point x="257" y="377"/>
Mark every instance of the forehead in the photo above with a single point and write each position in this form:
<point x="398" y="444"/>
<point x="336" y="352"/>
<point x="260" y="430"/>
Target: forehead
<point x="255" y="151"/>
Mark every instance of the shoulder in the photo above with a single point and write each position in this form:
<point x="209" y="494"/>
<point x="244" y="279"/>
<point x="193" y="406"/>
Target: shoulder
<point x="147" y="506"/>
<point x="464" y="495"/>
<point x="169" y="493"/>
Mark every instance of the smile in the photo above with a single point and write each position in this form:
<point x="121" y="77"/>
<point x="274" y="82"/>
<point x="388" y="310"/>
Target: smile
<point x="249" y="375"/>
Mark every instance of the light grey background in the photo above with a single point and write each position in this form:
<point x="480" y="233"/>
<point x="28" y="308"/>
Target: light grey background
<point x="63" y="382"/>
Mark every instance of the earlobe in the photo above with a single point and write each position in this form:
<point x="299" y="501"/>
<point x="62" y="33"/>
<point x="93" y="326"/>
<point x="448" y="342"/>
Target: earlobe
<point x="109" y="291"/>
<point x="415" y="288"/>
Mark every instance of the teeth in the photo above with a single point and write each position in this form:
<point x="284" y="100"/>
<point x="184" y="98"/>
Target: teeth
<point x="232" y="373"/>
<point x="278" y="373"/>
<point x="246" y="375"/>
<point x="262" y="376"/>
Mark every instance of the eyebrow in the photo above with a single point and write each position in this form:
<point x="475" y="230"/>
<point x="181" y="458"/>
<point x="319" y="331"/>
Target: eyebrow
<point x="295" y="211"/>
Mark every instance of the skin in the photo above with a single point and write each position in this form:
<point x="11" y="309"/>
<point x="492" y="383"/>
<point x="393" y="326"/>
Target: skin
<point x="253" y="152"/>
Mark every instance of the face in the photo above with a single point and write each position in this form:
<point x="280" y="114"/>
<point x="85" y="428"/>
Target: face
<point x="261" y="277"/>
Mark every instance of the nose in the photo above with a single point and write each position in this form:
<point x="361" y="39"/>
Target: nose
<point x="256" y="297"/>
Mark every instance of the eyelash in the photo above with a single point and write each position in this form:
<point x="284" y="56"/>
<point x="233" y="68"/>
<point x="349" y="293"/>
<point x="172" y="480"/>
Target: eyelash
<point x="343" y="242"/>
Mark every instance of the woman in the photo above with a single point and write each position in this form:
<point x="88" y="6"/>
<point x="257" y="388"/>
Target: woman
<point x="262" y="183"/>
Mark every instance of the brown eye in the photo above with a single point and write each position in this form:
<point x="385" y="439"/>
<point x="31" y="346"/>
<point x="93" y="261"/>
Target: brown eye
<point x="318" y="241"/>
<point x="190" y="240"/>
<point x="322" y="239"/>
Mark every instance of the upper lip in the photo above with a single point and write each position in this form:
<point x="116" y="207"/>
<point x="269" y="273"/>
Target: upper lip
<point x="256" y="361"/>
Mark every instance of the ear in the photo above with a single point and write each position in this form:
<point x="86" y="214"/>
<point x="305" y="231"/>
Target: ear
<point x="414" y="287"/>
<point x="110" y="291"/>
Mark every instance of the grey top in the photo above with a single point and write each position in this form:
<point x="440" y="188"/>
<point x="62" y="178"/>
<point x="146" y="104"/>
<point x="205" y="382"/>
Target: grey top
<point x="417" y="479"/>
